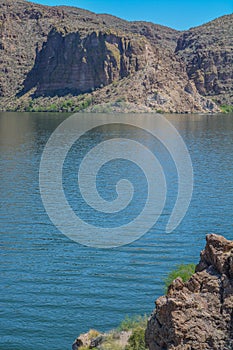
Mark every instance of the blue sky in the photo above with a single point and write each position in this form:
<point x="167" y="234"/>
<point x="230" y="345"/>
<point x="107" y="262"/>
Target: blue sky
<point x="178" y="14"/>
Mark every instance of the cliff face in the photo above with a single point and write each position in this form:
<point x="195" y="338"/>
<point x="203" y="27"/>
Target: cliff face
<point x="68" y="63"/>
<point x="23" y="30"/>
<point x="198" y="314"/>
<point x="55" y="51"/>
<point x="208" y="53"/>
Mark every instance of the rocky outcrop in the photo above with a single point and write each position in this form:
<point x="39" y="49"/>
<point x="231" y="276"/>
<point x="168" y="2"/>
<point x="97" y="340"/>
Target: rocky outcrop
<point x="198" y="314"/>
<point x="102" y="341"/>
<point x="68" y="63"/>
<point x="208" y="53"/>
<point x="156" y="87"/>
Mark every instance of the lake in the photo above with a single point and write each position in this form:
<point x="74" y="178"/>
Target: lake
<point x="52" y="288"/>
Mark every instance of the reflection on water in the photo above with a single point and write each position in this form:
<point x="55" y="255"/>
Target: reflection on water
<point x="52" y="288"/>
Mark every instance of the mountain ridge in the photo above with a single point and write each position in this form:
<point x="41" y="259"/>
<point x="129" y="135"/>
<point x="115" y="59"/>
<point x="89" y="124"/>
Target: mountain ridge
<point x="109" y="61"/>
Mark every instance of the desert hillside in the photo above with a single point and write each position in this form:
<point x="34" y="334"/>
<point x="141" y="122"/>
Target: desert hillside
<point x="64" y="58"/>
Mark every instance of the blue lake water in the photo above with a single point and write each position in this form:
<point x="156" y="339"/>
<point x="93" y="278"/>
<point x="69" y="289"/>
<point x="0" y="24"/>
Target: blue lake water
<point x="51" y="288"/>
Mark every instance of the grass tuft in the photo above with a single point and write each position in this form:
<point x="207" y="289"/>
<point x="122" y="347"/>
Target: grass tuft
<point x="226" y="108"/>
<point x="185" y="271"/>
<point x="131" y="323"/>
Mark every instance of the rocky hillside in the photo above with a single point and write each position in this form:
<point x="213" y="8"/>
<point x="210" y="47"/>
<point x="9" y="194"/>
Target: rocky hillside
<point x="64" y="58"/>
<point x="208" y="53"/>
<point x="198" y="314"/>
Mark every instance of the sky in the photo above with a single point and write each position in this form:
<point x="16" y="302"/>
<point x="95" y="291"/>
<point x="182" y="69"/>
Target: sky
<point x="178" y="14"/>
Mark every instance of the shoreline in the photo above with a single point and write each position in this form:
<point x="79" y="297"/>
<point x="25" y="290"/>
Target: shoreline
<point x="118" y="108"/>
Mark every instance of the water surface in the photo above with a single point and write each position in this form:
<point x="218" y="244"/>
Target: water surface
<point x="51" y="288"/>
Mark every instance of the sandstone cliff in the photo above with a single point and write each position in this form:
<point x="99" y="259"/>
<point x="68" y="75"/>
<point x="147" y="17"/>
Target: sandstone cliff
<point x="198" y="314"/>
<point x="51" y="54"/>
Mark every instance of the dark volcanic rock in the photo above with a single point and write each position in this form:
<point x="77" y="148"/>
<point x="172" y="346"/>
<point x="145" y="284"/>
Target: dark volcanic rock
<point x="198" y="314"/>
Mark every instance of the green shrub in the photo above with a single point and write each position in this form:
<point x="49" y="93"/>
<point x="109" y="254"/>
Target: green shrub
<point x="68" y="103"/>
<point x="226" y="108"/>
<point x="111" y="344"/>
<point x="134" y="322"/>
<point x="52" y="108"/>
<point x="86" y="103"/>
<point x="137" y="340"/>
<point x="185" y="271"/>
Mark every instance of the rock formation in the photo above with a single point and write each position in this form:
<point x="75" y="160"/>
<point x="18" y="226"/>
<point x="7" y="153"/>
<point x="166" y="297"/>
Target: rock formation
<point x="207" y="51"/>
<point x="102" y="341"/>
<point x="198" y="314"/>
<point x="74" y="65"/>
<point x="48" y="53"/>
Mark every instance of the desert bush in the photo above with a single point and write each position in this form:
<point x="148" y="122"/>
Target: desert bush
<point x="226" y="108"/>
<point x="137" y="340"/>
<point x="185" y="271"/>
<point x="130" y="323"/>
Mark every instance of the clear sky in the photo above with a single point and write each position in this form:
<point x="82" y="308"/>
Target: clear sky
<point x="178" y="14"/>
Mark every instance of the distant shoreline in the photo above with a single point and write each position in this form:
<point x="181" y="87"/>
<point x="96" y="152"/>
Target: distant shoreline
<point x="68" y="59"/>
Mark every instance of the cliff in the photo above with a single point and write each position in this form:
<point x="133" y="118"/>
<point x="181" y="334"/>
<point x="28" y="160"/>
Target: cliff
<point x="197" y="314"/>
<point x="53" y="54"/>
<point x="207" y="51"/>
<point x="71" y="64"/>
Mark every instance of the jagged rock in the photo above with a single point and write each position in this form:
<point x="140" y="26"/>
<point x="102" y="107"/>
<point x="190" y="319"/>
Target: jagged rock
<point x="96" y="341"/>
<point x="77" y="344"/>
<point x="90" y="340"/>
<point x="198" y="314"/>
<point x="114" y="339"/>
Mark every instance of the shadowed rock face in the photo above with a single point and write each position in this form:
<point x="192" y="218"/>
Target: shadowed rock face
<point x="198" y="314"/>
<point x="71" y="64"/>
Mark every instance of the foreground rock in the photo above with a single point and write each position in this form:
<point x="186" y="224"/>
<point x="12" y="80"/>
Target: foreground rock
<point x="103" y="341"/>
<point x="198" y="314"/>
